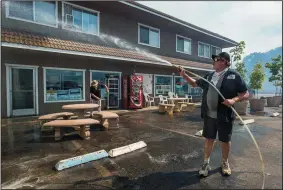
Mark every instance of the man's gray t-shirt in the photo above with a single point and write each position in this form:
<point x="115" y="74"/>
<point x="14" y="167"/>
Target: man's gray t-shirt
<point x="212" y="99"/>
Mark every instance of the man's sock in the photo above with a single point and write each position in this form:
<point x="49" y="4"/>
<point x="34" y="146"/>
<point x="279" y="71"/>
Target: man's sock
<point x="206" y="161"/>
<point x="224" y="160"/>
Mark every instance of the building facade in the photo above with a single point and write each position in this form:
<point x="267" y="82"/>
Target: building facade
<point x="51" y="51"/>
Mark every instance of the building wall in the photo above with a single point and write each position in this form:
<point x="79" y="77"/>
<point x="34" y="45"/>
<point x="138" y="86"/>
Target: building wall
<point x="44" y="59"/>
<point x="119" y="20"/>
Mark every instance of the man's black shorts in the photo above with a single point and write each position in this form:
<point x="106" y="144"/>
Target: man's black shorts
<point x="212" y="126"/>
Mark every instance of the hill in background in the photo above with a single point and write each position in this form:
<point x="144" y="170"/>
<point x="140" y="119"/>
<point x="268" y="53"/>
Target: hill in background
<point x="253" y="58"/>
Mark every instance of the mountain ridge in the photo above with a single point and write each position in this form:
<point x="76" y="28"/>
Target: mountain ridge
<point x="263" y="57"/>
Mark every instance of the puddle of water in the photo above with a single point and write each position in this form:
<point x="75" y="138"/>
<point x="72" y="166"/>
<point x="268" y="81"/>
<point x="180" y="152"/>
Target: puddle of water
<point x="18" y="183"/>
<point x="166" y="158"/>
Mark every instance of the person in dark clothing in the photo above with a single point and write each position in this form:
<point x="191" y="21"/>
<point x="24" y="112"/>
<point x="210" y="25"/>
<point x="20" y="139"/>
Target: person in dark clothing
<point x="95" y="96"/>
<point x="95" y="90"/>
<point x="217" y="114"/>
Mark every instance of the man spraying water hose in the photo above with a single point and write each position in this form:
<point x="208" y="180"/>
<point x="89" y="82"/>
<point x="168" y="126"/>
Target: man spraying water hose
<point x="216" y="112"/>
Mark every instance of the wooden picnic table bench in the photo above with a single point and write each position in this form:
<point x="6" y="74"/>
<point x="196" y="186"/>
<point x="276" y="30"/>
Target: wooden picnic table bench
<point x="190" y="107"/>
<point x="104" y="116"/>
<point x="166" y="108"/>
<point x="80" y="109"/>
<point x="179" y="102"/>
<point x="83" y="125"/>
<point x="54" y="116"/>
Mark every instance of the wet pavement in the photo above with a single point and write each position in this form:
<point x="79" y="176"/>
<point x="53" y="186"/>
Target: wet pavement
<point x="170" y="160"/>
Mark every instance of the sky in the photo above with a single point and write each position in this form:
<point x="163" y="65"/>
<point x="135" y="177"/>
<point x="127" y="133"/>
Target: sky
<point x="258" y="23"/>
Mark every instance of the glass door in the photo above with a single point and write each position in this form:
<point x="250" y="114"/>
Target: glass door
<point x="22" y="91"/>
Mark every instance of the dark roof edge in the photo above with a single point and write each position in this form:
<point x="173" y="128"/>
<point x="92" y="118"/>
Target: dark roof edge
<point x="179" y="21"/>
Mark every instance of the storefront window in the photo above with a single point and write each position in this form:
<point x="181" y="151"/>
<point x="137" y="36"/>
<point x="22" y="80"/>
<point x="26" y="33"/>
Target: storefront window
<point x="64" y="85"/>
<point x="162" y="85"/>
<point x="195" y="92"/>
<point x="181" y="86"/>
<point x="101" y="77"/>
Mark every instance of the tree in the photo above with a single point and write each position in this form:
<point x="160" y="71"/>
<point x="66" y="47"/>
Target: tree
<point x="275" y="69"/>
<point x="241" y="69"/>
<point x="237" y="52"/>
<point x="257" y="77"/>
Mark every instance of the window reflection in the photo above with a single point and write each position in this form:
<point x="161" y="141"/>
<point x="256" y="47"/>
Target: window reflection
<point x="64" y="85"/>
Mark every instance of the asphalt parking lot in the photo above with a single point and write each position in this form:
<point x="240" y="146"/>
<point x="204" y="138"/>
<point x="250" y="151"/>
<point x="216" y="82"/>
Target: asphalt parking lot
<point x="170" y="160"/>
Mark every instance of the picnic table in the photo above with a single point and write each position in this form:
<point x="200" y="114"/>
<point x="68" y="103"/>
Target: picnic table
<point x="80" y="109"/>
<point x="177" y="102"/>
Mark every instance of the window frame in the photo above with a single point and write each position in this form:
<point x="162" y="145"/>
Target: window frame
<point x="189" y="86"/>
<point x="81" y="8"/>
<point x="199" y="42"/>
<point x="116" y="72"/>
<point x="64" y="69"/>
<point x="194" y="87"/>
<point x="154" y="83"/>
<point x="149" y="27"/>
<point x="7" y="4"/>
<point x="215" y="47"/>
<point x="177" y="35"/>
<point x="175" y="84"/>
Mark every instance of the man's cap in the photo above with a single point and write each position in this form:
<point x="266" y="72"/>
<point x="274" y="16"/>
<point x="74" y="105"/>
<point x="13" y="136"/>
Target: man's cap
<point x="224" y="55"/>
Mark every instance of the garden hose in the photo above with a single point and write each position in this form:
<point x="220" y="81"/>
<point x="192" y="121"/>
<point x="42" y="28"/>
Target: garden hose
<point x="233" y="109"/>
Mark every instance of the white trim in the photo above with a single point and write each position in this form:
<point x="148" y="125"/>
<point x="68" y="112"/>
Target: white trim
<point x="149" y="27"/>
<point x="82" y="8"/>
<point x="66" y="69"/>
<point x="175" y="21"/>
<point x="185" y="38"/>
<point x="5" y="44"/>
<point x="17" y="65"/>
<point x="199" y="42"/>
<point x="120" y="79"/>
<point x="215" y="47"/>
<point x="154" y="82"/>
<point x="12" y="45"/>
<point x="60" y="68"/>
<point x="34" y="22"/>
<point x="9" y="84"/>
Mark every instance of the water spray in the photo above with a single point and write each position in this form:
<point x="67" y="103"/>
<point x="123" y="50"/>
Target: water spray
<point x="233" y="109"/>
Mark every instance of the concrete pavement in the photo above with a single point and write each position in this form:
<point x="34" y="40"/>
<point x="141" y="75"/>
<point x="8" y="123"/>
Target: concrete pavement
<point x="170" y="160"/>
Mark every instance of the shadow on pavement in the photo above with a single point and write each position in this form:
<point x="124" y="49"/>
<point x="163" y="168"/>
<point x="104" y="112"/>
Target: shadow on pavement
<point x="159" y="180"/>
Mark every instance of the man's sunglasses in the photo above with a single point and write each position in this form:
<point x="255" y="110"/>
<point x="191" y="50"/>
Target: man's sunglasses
<point x="219" y="59"/>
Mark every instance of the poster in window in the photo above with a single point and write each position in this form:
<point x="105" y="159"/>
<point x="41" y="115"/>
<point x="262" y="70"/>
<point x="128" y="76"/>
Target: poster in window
<point x="62" y="94"/>
<point x="51" y="95"/>
<point x="147" y="83"/>
<point x="75" y="94"/>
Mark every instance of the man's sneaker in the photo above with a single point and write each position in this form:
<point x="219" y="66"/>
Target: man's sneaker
<point x="226" y="170"/>
<point x="204" y="169"/>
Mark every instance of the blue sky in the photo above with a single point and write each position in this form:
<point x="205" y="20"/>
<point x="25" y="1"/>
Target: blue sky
<point x="258" y="23"/>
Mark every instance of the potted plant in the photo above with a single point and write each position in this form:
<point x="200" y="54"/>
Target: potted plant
<point x="240" y="107"/>
<point x="275" y="69"/>
<point x="256" y="81"/>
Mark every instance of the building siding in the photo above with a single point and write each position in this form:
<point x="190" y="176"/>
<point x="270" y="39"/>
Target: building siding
<point x="124" y="25"/>
<point x="43" y="59"/>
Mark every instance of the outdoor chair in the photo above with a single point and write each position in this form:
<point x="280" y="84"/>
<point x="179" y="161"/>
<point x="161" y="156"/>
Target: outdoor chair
<point x="162" y="99"/>
<point x="148" y="100"/>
